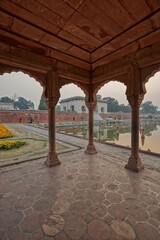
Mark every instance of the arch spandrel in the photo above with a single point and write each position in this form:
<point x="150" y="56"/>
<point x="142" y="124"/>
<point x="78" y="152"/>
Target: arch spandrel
<point x="148" y="72"/>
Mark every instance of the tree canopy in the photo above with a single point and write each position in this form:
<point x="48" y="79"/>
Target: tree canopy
<point x="21" y="103"/>
<point x="42" y="104"/>
<point x="6" y="100"/>
<point x="114" y="106"/>
<point x="148" y="107"/>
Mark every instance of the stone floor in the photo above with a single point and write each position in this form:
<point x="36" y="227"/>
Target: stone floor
<point x="86" y="198"/>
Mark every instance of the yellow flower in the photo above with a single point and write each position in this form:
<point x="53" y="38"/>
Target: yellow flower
<point x="7" y="145"/>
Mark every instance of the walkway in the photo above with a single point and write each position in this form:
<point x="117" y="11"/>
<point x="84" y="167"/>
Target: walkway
<point x="119" y="154"/>
<point x="85" y="198"/>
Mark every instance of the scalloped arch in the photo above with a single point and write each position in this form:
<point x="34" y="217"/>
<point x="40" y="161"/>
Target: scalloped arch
<point x="99" y="86"/>
<point x="149" y="72"/>
<point x="38" y="77"/>
<point x="81" y="86"/>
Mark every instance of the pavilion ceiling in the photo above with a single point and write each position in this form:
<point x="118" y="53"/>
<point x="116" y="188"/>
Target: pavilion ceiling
<point x="84" y="33"/>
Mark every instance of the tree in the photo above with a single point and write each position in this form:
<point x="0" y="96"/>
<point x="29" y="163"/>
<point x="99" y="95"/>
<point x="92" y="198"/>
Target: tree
<point x="148" y="107"/>
<point x="113" y="105"/>
<point x="23" y="104"/>
<point x="6" y="100"/>
<point x="124" y="108"/>
<point x="42" y="104"/>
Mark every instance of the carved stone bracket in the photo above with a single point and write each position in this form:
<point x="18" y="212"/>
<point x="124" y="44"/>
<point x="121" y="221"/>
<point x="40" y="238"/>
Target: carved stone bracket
<point x="135" y="100"/>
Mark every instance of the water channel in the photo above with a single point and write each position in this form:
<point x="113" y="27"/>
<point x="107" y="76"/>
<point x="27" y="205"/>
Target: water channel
<point x="120" y="134"/>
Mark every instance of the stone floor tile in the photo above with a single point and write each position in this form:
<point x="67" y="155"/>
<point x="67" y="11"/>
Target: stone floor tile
<point x="53" y="225"/>
<point x="33" y="191"/>
<point x="75" y="228"/>
<point x="37" y="234"/>
<point x="8" y="201"/>
<point x="86" y="237"/>
<point x="28" y="211"/>
<point x="138" y="213"/>
<point x="112" y="187"/>
<point x="87" y="217"/>
<point x="103" y="231"/>
<point x="98" y="209"/>
<point x="154" y="212"/>
<point x="61" y="236"/>
<point x="50" y="193"/>
<point x="31" y="222"/>
<point x="24" y="203"/>
<point x="16" y="234"/>
<point x="149" y="199"/>
<point x="78" y="208"/>
<point x="113" y="197"/>
<point x="117" y="211"/>
<point x="60" y="206"/>
<point x="47" y="238"/>
<point x="95" y="195"/>
<point x="146" y="231"/>
<point x="123" y="229"/>
<point x="41" y="205"/>
<point x="10" y="219"/>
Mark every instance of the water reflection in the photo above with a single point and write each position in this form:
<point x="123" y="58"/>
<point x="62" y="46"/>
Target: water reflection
<point x="120" y="133"/>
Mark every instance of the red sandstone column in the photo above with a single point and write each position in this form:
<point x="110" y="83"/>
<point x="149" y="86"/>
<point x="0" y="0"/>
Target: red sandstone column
<point x="52" y="158"/>
<point x="91" y="148"/>
<point x="134" y="162"/>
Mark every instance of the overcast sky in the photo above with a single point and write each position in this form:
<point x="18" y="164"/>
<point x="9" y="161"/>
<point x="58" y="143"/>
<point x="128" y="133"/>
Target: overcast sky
<point x="22" y="85"/>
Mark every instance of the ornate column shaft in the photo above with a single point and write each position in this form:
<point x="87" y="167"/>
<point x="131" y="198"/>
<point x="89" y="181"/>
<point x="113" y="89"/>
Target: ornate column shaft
<point x="91" y="148"/>
<point x="52" y="94"/>
<point x="134" y="162"/>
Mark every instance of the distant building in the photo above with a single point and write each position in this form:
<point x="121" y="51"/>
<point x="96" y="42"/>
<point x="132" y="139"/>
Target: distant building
<point x="6" y="106"/>
<point x="77" y="104"/>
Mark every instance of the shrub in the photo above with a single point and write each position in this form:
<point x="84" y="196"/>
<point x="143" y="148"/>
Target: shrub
<point x="7" y="145"/>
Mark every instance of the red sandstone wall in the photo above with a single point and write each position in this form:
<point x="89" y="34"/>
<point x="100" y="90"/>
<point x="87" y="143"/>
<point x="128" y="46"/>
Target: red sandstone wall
<point x="116" y="115"/>
<point x="13" y="116"/>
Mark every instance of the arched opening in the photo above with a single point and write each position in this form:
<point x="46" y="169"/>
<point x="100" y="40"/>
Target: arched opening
<point x="22" y="92"/>
<point x="83" y="108"/>
<point x="150" y="116"/>
<point x="74" y="119"/>
<point x="112" y="120"/>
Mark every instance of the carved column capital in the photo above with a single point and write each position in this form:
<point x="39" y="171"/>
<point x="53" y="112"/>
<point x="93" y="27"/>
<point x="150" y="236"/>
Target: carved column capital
<point x="52" y="102"/>
<point x="91" y="105"/>
<point x="135" y="100"/>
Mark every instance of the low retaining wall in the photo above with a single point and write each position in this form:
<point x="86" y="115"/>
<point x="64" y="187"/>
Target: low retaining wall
<point x="15" y="116"/>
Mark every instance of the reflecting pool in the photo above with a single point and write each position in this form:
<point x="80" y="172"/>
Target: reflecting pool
<point x="120" y="134"/>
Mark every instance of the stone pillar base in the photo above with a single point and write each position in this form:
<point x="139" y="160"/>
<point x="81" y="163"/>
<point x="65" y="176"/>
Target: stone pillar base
<point x="91" y="149"/>
<point x="52" y="160"/>
<point x="134" y="164"/>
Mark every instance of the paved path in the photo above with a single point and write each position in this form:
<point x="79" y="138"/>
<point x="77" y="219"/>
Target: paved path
<point x="118" y="153"/>
<point x="84" y="198"/>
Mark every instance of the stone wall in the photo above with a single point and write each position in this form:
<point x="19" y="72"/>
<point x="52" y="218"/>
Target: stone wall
<point x="15" y="116"/>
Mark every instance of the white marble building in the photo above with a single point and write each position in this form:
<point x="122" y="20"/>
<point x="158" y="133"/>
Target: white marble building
<point x="6" y="106"/>
<point x="77" y="104"/>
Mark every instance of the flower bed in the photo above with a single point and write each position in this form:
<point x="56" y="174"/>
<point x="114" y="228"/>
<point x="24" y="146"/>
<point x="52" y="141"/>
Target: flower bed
<point x="7" y="145"/>
<point x="4" y="132"/>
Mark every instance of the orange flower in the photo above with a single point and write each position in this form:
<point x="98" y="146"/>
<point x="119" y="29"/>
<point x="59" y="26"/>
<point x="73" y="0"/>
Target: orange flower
<point x="4" y="132"/>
